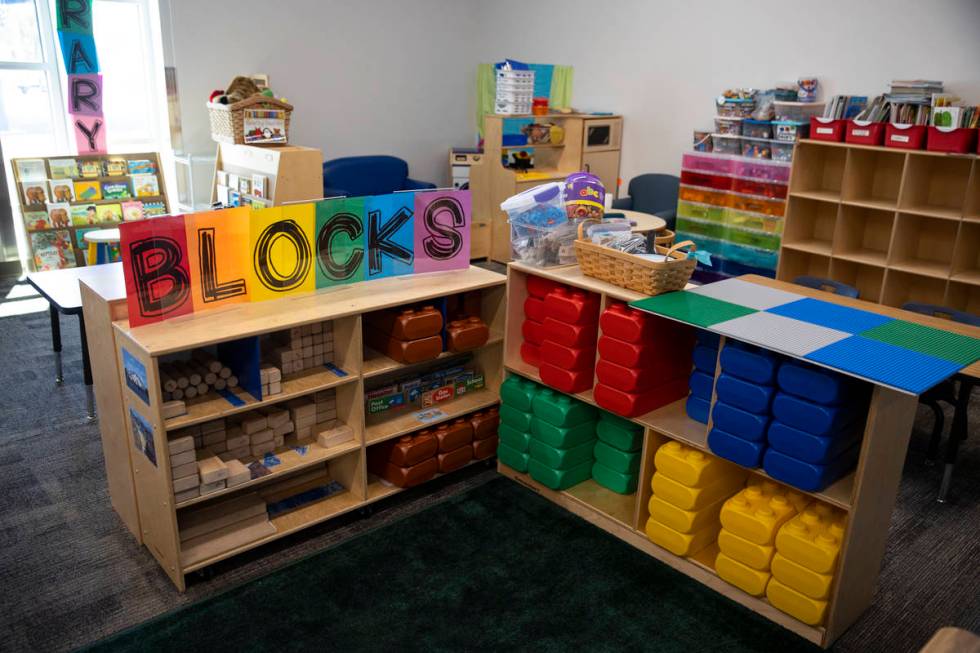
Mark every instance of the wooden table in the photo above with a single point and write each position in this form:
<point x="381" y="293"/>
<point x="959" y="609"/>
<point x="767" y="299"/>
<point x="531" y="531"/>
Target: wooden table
<point x="61" y="289"/>
<point x="642" y="223"/>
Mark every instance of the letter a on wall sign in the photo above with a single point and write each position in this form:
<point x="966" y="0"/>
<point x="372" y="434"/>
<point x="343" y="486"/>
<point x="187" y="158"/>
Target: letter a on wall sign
<point x="339" y="241"/>
<point x="390" y="231"/>
<point x="217" y="251"/>
<point x="442" y="231"/>
<point x="281" y="244"/>
<point x="155" y="267"/>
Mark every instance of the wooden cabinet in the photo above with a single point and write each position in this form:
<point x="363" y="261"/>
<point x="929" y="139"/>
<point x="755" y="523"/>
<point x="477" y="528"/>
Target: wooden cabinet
<point x="605" y="166"/>
<point x="293" y="173"/>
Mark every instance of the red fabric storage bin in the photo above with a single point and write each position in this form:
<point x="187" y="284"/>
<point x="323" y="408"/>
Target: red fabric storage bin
<point x="716" y="182"/>
<point x="958" y="140"/>
<point x="531" y="354"/>
<point x="630" y="404"/>
<point x="863" y="132"/>
<point x="905" y="137"/>
<point x="567" y="381"/>
<point x="826" y="129"/>
<point x="568" y="358"/>
<point x="534" y="309"/>
<point x="533" y="332"/>
<point x="540" y="287"/>
<point x="570" y="335"/>
<point x="572" y="306"/>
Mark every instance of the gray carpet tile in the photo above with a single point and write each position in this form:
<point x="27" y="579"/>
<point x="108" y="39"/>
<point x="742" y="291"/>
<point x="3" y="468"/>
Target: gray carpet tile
<point x="70" y="573"/>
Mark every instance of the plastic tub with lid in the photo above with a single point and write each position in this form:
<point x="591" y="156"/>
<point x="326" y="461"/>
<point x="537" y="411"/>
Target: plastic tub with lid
<point x="712" y="163"/>
<point x="731" y="125"/>
<point x="726" y="144"/>
<point x="540" y="233"/>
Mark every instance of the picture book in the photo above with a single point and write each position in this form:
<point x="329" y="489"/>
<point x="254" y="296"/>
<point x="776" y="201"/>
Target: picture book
<point x="80" y="237"/>
<point x="132" y="211"/>
<point x="259" y="203"/>
<point x="88" y="191"/>
<point x="154" y="209"/>
<point x="63" y="168"/>
<point x="115" y="190"/>
<point x="35" y="220"/>
<point x="84" y="215"/>
<point x="264" y="126"/>
<point x="62" y="190"/>
<point x="234" y="198"/>
<point x="221" y="178"/>
<point x="52" y="250"/>
<point x="146" y="185"/>
<point x="142" y="167"/>
<point x="115" y="167"/>
<point x="91" y="169"/>
<point x="109" y="213"/>
<point x="233" y="180"/>
<point x="59" y="214"/>
<point x="244" y="185"/>
<point x="221" y="191"/>
<point x="31" y="169"/>
<point x="34" y="192"/>
<point x="258" y="185"/>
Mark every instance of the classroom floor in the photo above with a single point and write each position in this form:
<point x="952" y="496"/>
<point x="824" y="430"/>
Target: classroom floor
<point x="71" y="573"/>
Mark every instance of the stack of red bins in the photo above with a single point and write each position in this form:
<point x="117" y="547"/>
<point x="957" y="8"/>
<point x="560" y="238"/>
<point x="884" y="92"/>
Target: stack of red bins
<point x="534" y="313"/>
<point x="644" y="361"/>
<point x="571" y="326"/>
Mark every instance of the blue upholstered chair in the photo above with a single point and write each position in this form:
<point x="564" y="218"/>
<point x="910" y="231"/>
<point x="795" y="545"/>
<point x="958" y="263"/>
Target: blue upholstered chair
<point x="652" y="193"/>
<point x="357" y="176"/>
<point x="827" y="285"/>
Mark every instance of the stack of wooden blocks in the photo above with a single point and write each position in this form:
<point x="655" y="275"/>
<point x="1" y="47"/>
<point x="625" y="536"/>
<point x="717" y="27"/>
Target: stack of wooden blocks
<point x="212" y="529"/>
<point x="301" y="348"/>
<point x="271" y="378"/>
<point x="203" y="459"/>
<point x="329" y="431"/>
<point x="186" y="379"/>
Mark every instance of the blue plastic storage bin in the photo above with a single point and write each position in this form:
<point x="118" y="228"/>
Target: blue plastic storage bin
<point x="705" y="359"/>
<point x="813" y="383"/>
<point x="817" y="419"/>
<point x="742" y="423"/>
<point x="808" y="476"/>
<point x="744" y="394"/>
<point x="697" y="409"/>
<point x="731" y="447"/>
<point x="808" y="447"/>
<point x="750" y="363"/>
<point x="701" y="385"/>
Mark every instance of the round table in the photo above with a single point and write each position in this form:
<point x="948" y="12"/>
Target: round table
<point x="642" y="223"/>
<point x="101" y="243"/>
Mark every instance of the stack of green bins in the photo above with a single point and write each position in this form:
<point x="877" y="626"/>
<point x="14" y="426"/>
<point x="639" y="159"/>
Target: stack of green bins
<point x="562" y="439"/>
<point x="617" y="453"/>
<point x="514" y="432"/>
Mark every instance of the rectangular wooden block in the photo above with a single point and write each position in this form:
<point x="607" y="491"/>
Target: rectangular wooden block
<point x="304" y="433"/>
<point x="208" y="488"/>
<point x="173" y="408"/>
<point x="183" y="458"/>
<point x="186" y="483"/>
<point x="186" y="469"/>
<point x="254" y="424"/>
<point x="262" y="436"/>
<point x="218" y="447"/>
<point x="278" y="440"/>
<point x="187" y="495"/>
<point x="214" y="437"/>
<point x="213" y="426"/>
<point x="238" y="441"/>
<point x="308" y="351"/>
<point x="329" y="413"/>
<point x="181" y="444"/>
<point x="322" y="396"/>
<point x="187" y="430"/>
<point x="210" y="467"/>
<point x="238" y="453"/>
<point x="284" y="428"/>
<point x="316" y="327"/>
<point x="275" y="387"/>
<point x="307" y="341"/>
<point x="263" y="448"/>
<point x="334" y="436"/>
<point x="275" y="416"/>
<point x="238" y="473"/>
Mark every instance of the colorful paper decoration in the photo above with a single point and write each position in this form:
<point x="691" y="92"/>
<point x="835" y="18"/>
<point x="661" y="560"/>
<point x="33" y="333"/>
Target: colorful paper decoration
<point x="84" y="81"/>
<point x="442" y="234"/>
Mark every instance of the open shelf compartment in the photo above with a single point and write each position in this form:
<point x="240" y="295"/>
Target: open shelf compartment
<point x="904" y="287"/>
<point x="812" y="226"/>
<point x="923" y="245"/>
<point x="966" y="254"/>
<point x="935" y="186"/>
<point x="873" y="178"/>
<point x="818" y="171"/>
<point x="863" y="235"/>
<point x="794" y="264"/>
<point x="868" y="279"/>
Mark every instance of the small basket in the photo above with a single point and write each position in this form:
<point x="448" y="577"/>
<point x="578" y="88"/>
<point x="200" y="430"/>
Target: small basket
<point x="633" y="272"/>
<point x="228" y="120"/>
<point x="664" y="238"/>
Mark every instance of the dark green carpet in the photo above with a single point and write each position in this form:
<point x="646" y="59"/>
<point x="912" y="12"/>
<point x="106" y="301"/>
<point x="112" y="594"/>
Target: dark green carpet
<point x="497" y="568"/>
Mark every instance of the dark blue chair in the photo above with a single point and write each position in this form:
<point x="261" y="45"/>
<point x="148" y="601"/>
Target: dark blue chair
<point x="947" y="392"/>
<point x="827" y="285"/>
<point x="357" y="176"/>
<point x="652" y="193"/>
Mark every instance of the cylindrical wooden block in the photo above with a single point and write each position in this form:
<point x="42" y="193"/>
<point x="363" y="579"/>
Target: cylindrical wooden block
<point x="224" y="373"/>
<point x="232" y="381"/>
<point x="190" y="392"/>
<point x="207" y="360"/>
<point x="219" y="383"/>
<point x="168" y="383"/>
<point x="177" y="394"/>
<point x="202" y="388"/>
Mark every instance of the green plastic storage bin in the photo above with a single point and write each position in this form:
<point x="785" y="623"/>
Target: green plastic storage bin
<point x="560" y="458"/>
<point x="612" y="480"/>
<point x="562" y="438"/>
<point x="557" y="479"/>
<point x="623" y="462"/>
<point x="512" y="458"/>
<point x="515" y="418"/>
<point x="561" y="410"/>
<point x="513" y="438"/>
<point x="518" y="392"/>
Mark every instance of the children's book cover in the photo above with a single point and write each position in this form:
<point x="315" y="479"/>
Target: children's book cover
<point x="244" y="185"/>
<point x="88" y="191"/>
<point x="91" y="168"/>
<point x="62" y="190"/>
<point x="36" y="220"/>
<point x="234" y="198"/>
<point x="52" y="250"/>
<point x="31" y="169"/>
<point x="221" y="191"/>
<point x="259" y="203"/>
<point x="154" y="209"/>
<point x="110" y="213"/>
<point x="259" y="185"/>
<point x="142" y="167"/>
<point x="115" y="167"/>
<point x="84" y="215"/>
<point x="34" y="192"/>
<point x="59" y="214"/>
<point x="116" y="190"/>
<point x="146" y="185"/>
<point x="80" y="237"/>
<point x="63" y="168"/>
<point x="132" y="211"/>
<point x="221" y="178"/>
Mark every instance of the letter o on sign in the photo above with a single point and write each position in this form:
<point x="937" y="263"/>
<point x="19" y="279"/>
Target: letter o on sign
<point x="268" y="273"/>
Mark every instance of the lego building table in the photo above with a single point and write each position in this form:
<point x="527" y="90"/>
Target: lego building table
<point x="866" y="495"/>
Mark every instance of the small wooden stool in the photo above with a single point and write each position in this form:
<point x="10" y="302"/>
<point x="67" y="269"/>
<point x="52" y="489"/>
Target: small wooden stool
<point x="103" y="246"/>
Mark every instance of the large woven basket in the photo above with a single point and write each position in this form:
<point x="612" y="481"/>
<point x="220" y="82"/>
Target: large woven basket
<point x="228" y="122"/>
<point x="634" y="272"/>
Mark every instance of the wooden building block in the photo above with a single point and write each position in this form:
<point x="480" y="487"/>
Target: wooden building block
<point x="187" y="469"/>
<point x="182" y="458"/>
<point x="218" y="447"/>
<point x="214" y="437"/>
<point x="334" y="436"/>
<point x="284" y="428"/>
<point x="329" y="413"/>
<point x="213" y="426"/>
<point x="181" y="444"/>
<point x="186" y="483"/>
<point x="238" y="441"/>
<point x="263" y="448"/>
<point x="278" y="440"/>
<point x="173" y="408"/>
<point x="275" y="387"/>
<point x="238" y="473"/>
<point x="316" y="327"/>
<point x="208" y="488"/>
<point x="187" y="495"/>
<point x="304" y="433"/>
<point x="261" y="436"/>
<point x="254" y="424"/>
<point x="210" y="467"/>
<point x="238" y="453"/>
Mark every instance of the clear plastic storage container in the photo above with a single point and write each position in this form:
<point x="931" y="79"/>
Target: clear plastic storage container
<point x="730" y="125"/>
<point x="756" y="128"/>
<point x="757" y="148"/>
<point x="540" y="232"/>
<point x="726" y="144"/>
<point x="761" y="170"/>
<point x="790" y="131"/>
<point x="798" y="111"/>
<point x="782" y="151"/>
<point x="707" y="162"/>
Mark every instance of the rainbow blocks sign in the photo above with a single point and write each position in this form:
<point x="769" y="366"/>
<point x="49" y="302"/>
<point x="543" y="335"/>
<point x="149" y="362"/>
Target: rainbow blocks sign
<point x="178" y="265"/>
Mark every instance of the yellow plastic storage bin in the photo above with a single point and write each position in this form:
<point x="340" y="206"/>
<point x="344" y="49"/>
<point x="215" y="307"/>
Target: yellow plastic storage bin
<point x="810" y="611"/>
<point x="749" y="580"/>
<point x="682" y="544"/>
<point x="745" y="220"/>
<point x="704" y="196"/>
<point x="689" y="498"/>
<point x="690" y="466"/>
<point x="757" y="512"/>
<point x="754" y="555"/>
<point x="755" y="205"/>
<point x="683" y="521"/>
<point x="701" y="211"/>
<point x="813" y="538"/>
<point x="803" y="580"/>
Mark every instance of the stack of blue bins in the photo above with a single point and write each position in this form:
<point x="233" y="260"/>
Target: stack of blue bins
<point x="745" y="391"/>
<point x="703" y="377"/>
<point x="818" y="420"/>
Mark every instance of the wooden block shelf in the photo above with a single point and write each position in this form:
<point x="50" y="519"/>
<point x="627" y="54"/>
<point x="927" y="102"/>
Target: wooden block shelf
<point x="813" y="230"/>
<point x="297" y="470"/>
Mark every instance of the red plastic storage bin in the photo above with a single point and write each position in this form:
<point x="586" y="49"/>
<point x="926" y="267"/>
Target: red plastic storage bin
<point x="630" y="404"/>
<point x="958" y="140"/>
<point x="570" y="335"/>
<point x="455" y="459"/>
<point x="568" y="358"/>
<point x="650" y="352"/>
<point x="905" y="137"/>
<point x="483" y="449"/>
<point x="627" y="379"/>
<point x="572" y="306"/>
<point x="717" y="182"/>
<point x="827" y="129"/>
<point x="752" y="187"/>
<point x="540" y="287"/>
<point x="533" y="332"/>
<point x="864" y="132"/>
<point x="567" y="381"/>
<point x="534" y="309"/>
<point x="627" y="324"/>
<point x="531" y="354"/>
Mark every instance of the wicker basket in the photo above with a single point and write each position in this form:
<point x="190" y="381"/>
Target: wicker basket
<point x="663" y="238"/>
<point x="228" y="120"/>
<point x="634" y="272"/>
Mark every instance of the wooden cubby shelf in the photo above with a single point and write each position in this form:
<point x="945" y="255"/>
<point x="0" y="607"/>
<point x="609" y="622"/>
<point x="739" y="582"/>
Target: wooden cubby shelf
<point x="872" y="178"/>
<point x="966" y="256"/>
<point x="813" y="231"/>
<point x="823" y="176"/>
<point x="923" y="245"/>
<point x="382" y="427"/>
<point x="376" y="364"/>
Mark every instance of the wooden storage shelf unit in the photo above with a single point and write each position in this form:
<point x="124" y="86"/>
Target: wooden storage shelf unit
<point x="344" y="463"/>
<point x="906" y="223"/>
<point x="867" y="494"/>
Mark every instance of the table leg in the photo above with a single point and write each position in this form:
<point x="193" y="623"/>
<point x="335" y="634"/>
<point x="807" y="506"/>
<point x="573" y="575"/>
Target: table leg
<point x="957" y="432"/>
<point x="59" y="377"/>
<point x="87" y="372"/>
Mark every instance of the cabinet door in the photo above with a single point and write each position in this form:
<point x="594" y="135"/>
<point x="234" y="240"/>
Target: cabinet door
<point x="605" y="166"/>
